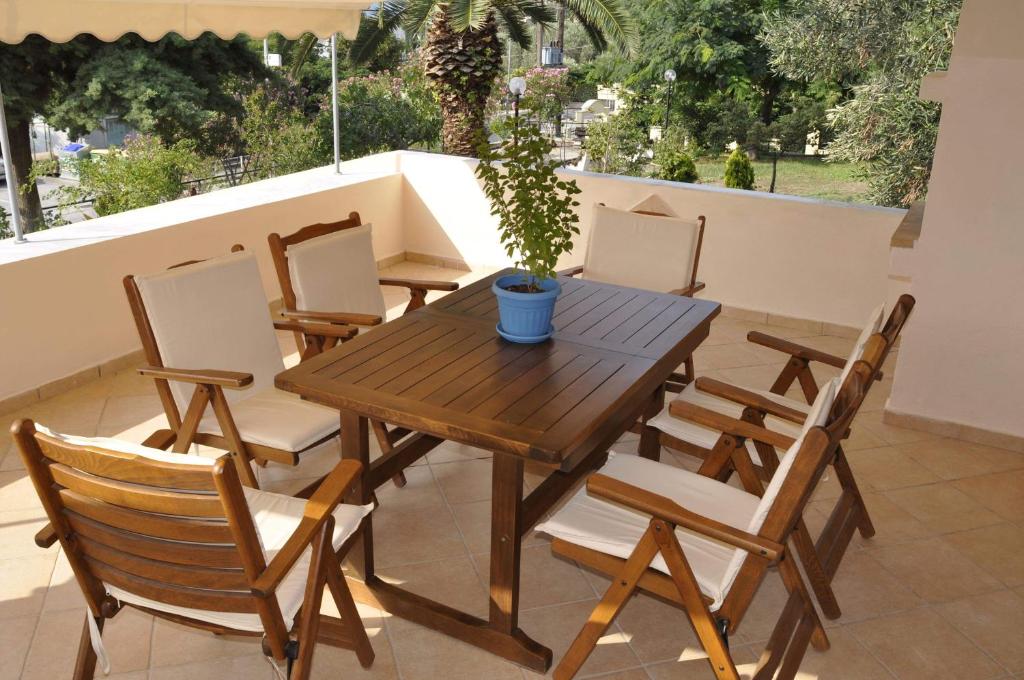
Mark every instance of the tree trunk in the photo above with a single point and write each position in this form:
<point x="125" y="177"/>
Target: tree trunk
<point x="540" y="42"/>
<point x="771" y="93"/>
<point x="561" y="26"/>
<point x="28" y="194"/>
<point x="463" y="68"/>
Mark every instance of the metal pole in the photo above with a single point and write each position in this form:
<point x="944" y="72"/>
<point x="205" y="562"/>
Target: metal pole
<point x="12" y="180"/>
<point x="334" y="103"/>
<point x="668" y="108"/>
<point x="266" y="52"/>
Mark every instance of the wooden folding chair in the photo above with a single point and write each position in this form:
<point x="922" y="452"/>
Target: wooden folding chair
<point x="646" y="247"/>
<point x="328" y="274"/>
<point x="714" y="415"/>
<point x="701" y="544"/>
<point x="179" y="537"/>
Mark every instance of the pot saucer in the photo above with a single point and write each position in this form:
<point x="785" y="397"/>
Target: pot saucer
<point x="524" y="339"/>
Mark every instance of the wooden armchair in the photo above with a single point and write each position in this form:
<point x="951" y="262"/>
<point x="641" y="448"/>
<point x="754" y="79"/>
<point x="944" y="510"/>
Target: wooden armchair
<point x="180" y="537"/>
<point x="701" y="544"/>
<point x="210" y="344"/>
<point x="709" y="418"/>
<point x="328" y="274"/>
<point x="645" y="248"/>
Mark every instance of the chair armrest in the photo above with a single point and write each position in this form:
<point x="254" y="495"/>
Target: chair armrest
<point x="46" y="536"/>
<point x="689" y="291"/>
<point x="795" y="350"/>
<point x="744" y="397"/>
<point x="571" y="271"/>
<point x="333" y="317"/>
<point x="726" y="425"/>
<point x="421" y="285"/>
<point x="318" y="509"/>
<point x="666" y="509"/>
<point x="232" y="380"/>
<point x="323" y="330"/>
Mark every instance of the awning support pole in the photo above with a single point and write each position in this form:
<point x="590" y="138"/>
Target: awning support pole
<point x="12" y="179"/>
<point x="334" y="103"/>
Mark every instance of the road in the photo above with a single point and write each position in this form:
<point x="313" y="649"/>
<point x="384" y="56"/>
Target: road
<point x="47" y="187"/>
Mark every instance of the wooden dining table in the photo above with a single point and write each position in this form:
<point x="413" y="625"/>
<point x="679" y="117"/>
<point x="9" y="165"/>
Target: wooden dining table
<point x="443" y="373"/>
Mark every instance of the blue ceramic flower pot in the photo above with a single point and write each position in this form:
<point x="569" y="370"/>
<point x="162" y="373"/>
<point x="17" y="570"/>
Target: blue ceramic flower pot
<point x="525" y="317"/>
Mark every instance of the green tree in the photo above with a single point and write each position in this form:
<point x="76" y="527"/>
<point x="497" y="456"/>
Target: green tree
<point x="173" y="88"/>
<point x="878" y="50"/>
<point x="673" y="162"/>
<point x="278" y="138"/>
<point x="619" y="145"/>
<point x="463" y="50"/>
<point x="739" y="171"/>
<point x="144" y="173"/>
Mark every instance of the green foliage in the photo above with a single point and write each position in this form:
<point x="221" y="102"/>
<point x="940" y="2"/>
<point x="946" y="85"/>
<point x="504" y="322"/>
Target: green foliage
<point x="880" y="50"/>
<point x="384" y="112"/>
<point x="5" y="225"/>
<point x="547" y="92"/>
<point x="144" y="173"/>
<point x="739" y="172"/>
<point x="535" y="208"/>
<point x="277" y="137"/>
<point x="672" y="161"/>
<point x="619" y="145"/>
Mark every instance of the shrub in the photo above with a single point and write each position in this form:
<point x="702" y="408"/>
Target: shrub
<point x="739" y="171"/>
<point x="674" y="164"/>
<point x="618" y="146"/>
<point x="5" y="225"/>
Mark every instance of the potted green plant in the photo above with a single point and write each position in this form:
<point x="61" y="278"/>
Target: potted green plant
<point x="537" y="219"/>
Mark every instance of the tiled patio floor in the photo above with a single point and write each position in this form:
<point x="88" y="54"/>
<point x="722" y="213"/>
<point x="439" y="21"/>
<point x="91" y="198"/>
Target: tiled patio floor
<point x="938" y="593"/>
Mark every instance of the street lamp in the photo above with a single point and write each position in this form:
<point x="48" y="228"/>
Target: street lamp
<point x="517" y="88"/>
<point x="670" y="78"/>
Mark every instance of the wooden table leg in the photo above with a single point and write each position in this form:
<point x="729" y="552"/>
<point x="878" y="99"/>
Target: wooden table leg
<point x="506" y="520"/>
<point x="355" y="445"/>
<point x="650" y="438"/>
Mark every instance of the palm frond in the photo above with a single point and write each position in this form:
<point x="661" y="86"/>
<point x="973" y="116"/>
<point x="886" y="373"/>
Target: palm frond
<point x="610" y="17"/>
<point x="301" y="50"/>
<point x="417" y="15"/>
<point x="374" y="27"/>
<point x="468" y="14"/>
<point x="594" y="34"/>
<point x="515" y="23"/>
<point x="537" y="12"/>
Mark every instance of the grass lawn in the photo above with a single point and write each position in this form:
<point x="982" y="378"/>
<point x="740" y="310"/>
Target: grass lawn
<point x="810" y="177"/>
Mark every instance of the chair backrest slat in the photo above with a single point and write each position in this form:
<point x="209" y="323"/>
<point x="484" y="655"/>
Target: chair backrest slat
<point x="189" y="529"/>
<point x="209" y="578"/>
<point x="137" y="496"/>
<point x="173" y="552"/>
<point x="193" y="598"/>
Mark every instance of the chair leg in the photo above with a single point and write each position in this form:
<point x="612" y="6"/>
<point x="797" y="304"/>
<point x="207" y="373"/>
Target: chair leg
<point x="384" y="440"/>
<point x="349" y="614"/>
<point x="608" y="608"/>
<point x="847" y="481"/>
<point x="309" y="615"/>
<point x="820" y="582"/>
<point x="704" y="623"/>
<point x="85" y="663"/>
<point x="795" y="584"/>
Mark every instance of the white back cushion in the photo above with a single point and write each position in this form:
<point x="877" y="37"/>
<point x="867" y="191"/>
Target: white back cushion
<point x="640" y="251"/>
<point x="121" y="446"/>
<point x="817" y="417"/>
<point x="873" y="325"/>
<point x="655" y="204"/>
<point x="213" y="315"/>
<point x="337" y="273"/>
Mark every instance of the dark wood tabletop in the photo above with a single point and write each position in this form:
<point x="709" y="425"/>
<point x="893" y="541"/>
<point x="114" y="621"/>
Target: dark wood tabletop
<point x="442" y="372"/>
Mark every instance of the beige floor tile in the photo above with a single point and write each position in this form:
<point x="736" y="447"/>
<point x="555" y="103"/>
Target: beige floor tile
<point x="1001" y="493"/>
<point x="935" y="570"/>
<point x="17" y="492"/>
<point x="887" y="468"/>
<point x="131" y="417"/>
<point x="866" y="590"/>
<point x="474" y="521"/>
<point x="420" y="492"/>
<point x="735" y="355"/>
<point x="953" y="459"/>
<point x="862" y="438"/>
<point x="54" y="648"/>
<point x="23" y="582"/>
<point x="556" y="627"/>
<point x="453" y="452"/>
<point x="893" y="525"/>
<point x="943" y="508"/>
<point x="252" y="666"/>
<point x="631" y="674"/>
<point x="545" y="579"/>
<point x="15" y="638"/>
<point x="889" y="434"/>
<point x="409" y="536"/>
<point x="332" y="663"/>
<point x="658" y="631"/>
<point x="998" y="549"/>
<point x="846" y="659"/>
<point x="696" y="667"/>
<point x="64" y="591"/>
<point x="465" y="481"/>
<point x="174" y="644"/>
<point x="424" y="654"/>
<point x="454" y="582"/>
<point x="17" y="531"/>
<point x="922" y="645"/>
<point x="994" y="622"/>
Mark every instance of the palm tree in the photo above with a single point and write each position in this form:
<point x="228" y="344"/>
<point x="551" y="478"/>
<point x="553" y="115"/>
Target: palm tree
<point x="462" y="50"/>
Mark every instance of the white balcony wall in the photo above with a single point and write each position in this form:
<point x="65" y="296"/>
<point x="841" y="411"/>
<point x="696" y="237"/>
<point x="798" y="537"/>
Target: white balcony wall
<point x="65" y="312"/>
<point x="785" y="255"/>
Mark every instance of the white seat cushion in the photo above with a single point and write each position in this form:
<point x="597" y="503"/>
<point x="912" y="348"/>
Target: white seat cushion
<point x="279" y="419"/>
<point x="640" y="251"/>
<point x="337" y="273"/>
<point x="615" y="530"/>
<point x="275" y="517"/>
<point x="213" y="315"/>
